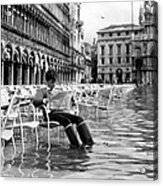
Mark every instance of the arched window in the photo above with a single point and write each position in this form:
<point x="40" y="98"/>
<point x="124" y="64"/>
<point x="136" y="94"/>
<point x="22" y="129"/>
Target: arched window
<point x="25" y="66"/>
<point x="7" y="57"/>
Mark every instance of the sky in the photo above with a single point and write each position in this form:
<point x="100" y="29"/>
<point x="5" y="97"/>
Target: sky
<point x="98" y="15"/>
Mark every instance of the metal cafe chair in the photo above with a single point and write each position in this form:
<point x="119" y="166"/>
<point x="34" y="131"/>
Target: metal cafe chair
<point x="27" y="114"/>
<point x="96" y="100"/>
<point x="104" y="97"/>
<point x="48" y="124"/>
<point x="14" y="113"/>
<point x="60" y="102"/>
<point x="7" y="113"/>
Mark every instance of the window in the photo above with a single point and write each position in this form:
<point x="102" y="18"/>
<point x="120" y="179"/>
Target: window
<point x="127" y="33"/>
<point x="145" y="48"/>
<point x="127" y="60"/>
<point x="118" y="34"/>
<point x="110" y="34"/>
<point x="118" y="48"/>
<point x="119" y="60"/>
<point x="127" y="48"/>
<point x="4" y="15"/>
<point x="26" y="25"/>
<point x="82" y="49"/>
<point x="102" y="50"/>
<point x="102" y="76"/>
<point x="110" y="49"/>
<point x="103" y="61"/>
<point x="127" y="78"/>
<point x="102" y="35"/>
<point x="10" y="15"/>
<point x="111" y="61"/>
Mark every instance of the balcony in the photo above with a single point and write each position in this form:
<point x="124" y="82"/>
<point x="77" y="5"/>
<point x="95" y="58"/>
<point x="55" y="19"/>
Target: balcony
<point x="145" y="37"/>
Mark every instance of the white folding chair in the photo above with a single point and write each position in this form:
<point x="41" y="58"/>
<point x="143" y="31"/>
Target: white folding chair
<point x="8" y="112"/>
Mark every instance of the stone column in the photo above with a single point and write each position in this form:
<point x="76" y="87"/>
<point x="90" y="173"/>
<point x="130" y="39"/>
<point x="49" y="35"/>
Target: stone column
<point x="12" y="73"/>
<point x="2" y="72"/>
<point x="20" y="75"/>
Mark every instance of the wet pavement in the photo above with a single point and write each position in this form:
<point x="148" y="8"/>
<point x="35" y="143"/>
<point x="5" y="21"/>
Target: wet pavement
<point x="125" y="145"/>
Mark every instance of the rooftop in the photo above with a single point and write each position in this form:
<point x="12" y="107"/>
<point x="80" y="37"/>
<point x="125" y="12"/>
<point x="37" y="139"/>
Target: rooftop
<point x="121" y="27"/>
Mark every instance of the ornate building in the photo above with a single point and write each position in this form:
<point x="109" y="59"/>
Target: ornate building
<point x="94" y="61"/>
<point x="114" y="48"/>
<point x="33" y="39"/>
<point x="145" y="45"/>
<point x="76" y="43"/>
<point x="128" y="53"/>
<point x="88" y="65"/>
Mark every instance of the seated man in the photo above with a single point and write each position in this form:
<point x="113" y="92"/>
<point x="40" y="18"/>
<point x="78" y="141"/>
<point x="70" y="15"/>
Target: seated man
<point x="65" y="119"/>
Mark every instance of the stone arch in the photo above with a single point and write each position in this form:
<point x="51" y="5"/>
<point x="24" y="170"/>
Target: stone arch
<point x="8" y="52"/>
<point x="17" y="60"/>
<point x="2" y="48"/>
<point x="43" y="68"/>
<point x="25" y="56"/>
<point x="25" y="66"/>
<point x="32" y="63"/>
<point x="2" y="67"/>
<point x="32" y="58"/>
<point x="51" y="62"/>
<point x="138" y="63"/>
<point x="55" y="60"/>
<point x="39" y="59"/>
<point x="48" y="61"/>
<point x="8" y="64"/>
<point x="153" y="51"/>
<point x="37" y="68"/>
<point x="17" y="55"/>
<point x="43" y="61"/>
<point x="119" y="75"/>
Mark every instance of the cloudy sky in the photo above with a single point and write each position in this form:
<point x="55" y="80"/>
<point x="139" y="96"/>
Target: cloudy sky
<point x="102" y="14"/>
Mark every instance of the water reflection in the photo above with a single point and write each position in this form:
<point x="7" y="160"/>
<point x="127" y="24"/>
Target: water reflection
<point x="126" y="146"/>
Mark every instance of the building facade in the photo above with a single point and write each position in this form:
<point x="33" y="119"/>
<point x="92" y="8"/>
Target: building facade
<point x="145" y="45"/>
<point x="88" y="64"/>
<point x="33" y="39"/>
<point x="76" y="43"/>
<point x="94" y="61"/>
<point x="114" y="50"/>
<point x="129" y="53"/>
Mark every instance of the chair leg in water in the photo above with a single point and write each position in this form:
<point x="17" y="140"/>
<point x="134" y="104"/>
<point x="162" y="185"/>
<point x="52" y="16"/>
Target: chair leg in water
<point x="72" y="136"/>
<point x="84" y="134"/>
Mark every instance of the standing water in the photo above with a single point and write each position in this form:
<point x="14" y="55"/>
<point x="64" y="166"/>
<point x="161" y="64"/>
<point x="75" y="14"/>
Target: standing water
<point x="125" y="145"/>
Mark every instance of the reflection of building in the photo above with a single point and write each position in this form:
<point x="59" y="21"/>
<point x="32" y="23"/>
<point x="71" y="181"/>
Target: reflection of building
<point x="145" y="45"/>
<point x="34" y="38"/>
<point x="114" y="52"/>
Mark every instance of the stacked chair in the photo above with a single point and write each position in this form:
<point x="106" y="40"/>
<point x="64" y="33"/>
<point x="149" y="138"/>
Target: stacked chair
<point x="12" y="114"/>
